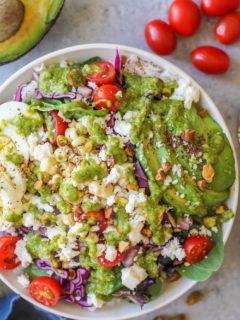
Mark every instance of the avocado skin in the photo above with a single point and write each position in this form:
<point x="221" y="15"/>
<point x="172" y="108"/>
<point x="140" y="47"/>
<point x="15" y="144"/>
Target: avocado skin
<point x="22" y="42"/>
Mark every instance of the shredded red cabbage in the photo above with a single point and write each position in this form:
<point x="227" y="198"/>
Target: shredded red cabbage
<point x="84" y="92"/>
<point x="118" y="66"/>
<point x="111" y="121"/>
<point x="40" y="95"/>
<point x="140" y="176"/>
<point x="45" y="265"/>
<point x="130" y="254"/>
<point x="18" y="95"/>
<point x="124" y="293"/>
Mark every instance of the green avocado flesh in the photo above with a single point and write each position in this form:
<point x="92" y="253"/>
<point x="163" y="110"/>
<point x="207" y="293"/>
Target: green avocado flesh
<point x="36" y="19"/>
<point x="167" y="119"/>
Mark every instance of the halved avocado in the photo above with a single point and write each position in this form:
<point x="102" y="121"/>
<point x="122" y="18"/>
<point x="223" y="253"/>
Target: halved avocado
<point x="23" y="24"/>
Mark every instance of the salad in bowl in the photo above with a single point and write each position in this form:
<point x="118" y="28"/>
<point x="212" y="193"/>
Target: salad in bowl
<point x="114" y="181"/>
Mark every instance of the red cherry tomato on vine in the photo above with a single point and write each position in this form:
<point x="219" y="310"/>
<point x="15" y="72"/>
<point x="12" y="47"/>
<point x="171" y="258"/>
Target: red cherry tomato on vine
<point x="8" y="259"/>
<point x="109" y="264"/>
<point x="45" y="290"/>
<point x="227" y="29"/>
<point x="108" y="97"/>
<point x="216" y="8"/>
<point x="185" y="17"/>
<point x="160" y="37"/>
<point x="105" y="75"/>
<point x="59" y="126"/>
<point x="197" y="248"/>
<point x="210" y="60"/>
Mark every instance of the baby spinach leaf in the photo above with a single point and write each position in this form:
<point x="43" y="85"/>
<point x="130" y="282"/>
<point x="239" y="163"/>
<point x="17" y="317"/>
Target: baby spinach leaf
<point x="203" y="270"/>
<point x="156" y="289"/>
<point x="32" y="272"/>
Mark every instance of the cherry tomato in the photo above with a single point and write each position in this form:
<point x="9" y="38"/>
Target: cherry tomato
<point x="210" y="60"/>
<point x="105" y="76"/>
<point x="160" y="37"/>
<point x="108" y="96"/>
<point x="45" y="290"/>
<point x="109" y="264"/>
<point x="227" y="29"/>
<point x="185" y="17"/>
<point x="197" y="248"/>
<point x="99" y="216"/>
<point x="59" y="125"/>
<point x="8" y="259"/>
<point x="216" y="8"/>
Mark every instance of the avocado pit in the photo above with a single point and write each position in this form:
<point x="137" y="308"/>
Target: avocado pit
<point x="11" y="17"/>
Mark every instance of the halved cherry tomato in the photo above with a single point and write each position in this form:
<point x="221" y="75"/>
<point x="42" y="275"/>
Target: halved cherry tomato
<point x="216" y="8"/>
<point x="210" y="60"/>
<point x="8" y="259"/>
<point x="197" y="248"/>
<point x="160" y="37"/>
<point x="185" y="17"/>
<point x="45" y="290"/>
<point x="227" y="29"/>
<point x="99" y="216"/>
<point x="109" y="264"/>
<point x="59" y="125"/>
<point x="108" y="97"/>
<point x="105" y="76"/>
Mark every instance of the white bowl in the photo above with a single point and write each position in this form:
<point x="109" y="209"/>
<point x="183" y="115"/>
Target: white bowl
<point x="119" y="310"/>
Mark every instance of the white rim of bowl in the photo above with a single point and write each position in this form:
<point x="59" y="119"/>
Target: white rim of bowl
<point x="149" y="56"/>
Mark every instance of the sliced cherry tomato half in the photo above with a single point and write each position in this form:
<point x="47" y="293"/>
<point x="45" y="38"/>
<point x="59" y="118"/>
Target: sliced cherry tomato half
<point x="160" y="37"/>
<point x="59" y="125"/>
<point x="185" y="17"/>
<point x="105" y="76"/>
<point x="45" y="290"/>
<point x="109" y="264"/>
<point x="197" y="248"/>
<point x="216" y="8"/>
<point x="227" y="29"/>
<point x="8" y="259"/>
<point x="99" y="216"/>
<point x="108" y="97"/>
<point x="210" y="60"/>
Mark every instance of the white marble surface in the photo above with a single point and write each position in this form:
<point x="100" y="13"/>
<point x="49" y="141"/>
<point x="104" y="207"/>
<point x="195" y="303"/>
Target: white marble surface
<point x="112" y="21"/>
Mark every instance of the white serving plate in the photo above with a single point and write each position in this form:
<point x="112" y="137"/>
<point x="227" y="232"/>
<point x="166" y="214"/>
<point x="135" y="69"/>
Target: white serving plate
<point x="118" y="310"/>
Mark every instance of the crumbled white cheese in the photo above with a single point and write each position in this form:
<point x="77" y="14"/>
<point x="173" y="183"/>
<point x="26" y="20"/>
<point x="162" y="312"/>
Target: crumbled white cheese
<point x="187" y="92"/>
<point x="135" y="235"/>
<point x="111" y="253"/>
<point x="203" y="231"/>
<point x="42" y="151"/>
<point x="28" y="219"/>
<point x="22" y="253"/>
<point x="67" y="253"/>
<point x="23" y="280"/>
<point x="173" y="250"/>
<point x="55" y="231"/>
<point x="93" y="300"/>
<point x="123" y="128"/>
<point x="168" y="180"/>
<point x="92" y="85"/>
<point x="135" y="198"/>
<point x="132" y="276"/>
<point x="42" y="206"/>
<point x="111" y="200"/>
<point x="100" y="249"/>
<point x="28" y="91"/>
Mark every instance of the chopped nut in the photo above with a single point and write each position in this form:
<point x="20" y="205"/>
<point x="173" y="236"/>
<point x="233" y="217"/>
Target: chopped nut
<point x="71" y="274"/>
<point x="103" y="165"/>
<point x="38" y="185"/>
<point x="166" y="167"/>
<point x="108" y="212"/>
<point x="2" y="169"/>
<point x="53" y="186"/>
<point x="160" y="175"/>
<point x="194" y="297"/>
<point x="76" y="209"/>
<point x="111" y="161"/>
<point x="220" y="209"/>
<point x="123" y="246"/>
<point x="188" y="135"/>
<point x="174" y="277"/>
<point x="208" y="172"/>
<point x="210" y="222"/>
<point x="69" y="170"/>
<point x="129" y="151"/>
<point x="132" y="186"/>
<point x="201" y="184"/>
<point x="203" y="113"/>
<point x="160" y="318"/>
<point x="179" y="317"/>
<point x="147" y="232"/>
